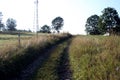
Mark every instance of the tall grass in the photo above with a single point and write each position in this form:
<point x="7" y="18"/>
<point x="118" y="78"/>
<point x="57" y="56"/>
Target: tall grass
<point x="48" y="70"/>
<point x="13" y="58"/>
<point x="95" y="58"/>
<point x="9" y="41"/>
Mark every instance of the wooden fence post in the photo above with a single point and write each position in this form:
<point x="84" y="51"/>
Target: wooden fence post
<point x="19" y="40"/>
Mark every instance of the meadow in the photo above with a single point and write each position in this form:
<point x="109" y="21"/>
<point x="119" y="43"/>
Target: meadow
<point x="74" y="58"/>
<point x="48" y="69"/>
<point x="89" y="58"/>
<point x="10" y="41"/>
<point x="14" y="58"/>
<point x="95" y="58"/>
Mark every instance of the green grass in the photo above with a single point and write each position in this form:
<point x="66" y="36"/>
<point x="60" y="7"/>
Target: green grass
<point x="95" y="58"/>
<point x="91" y="57"/>
<point x="7" y="39"/>
<point x="13" y="58"/>
<point x="9" y="42"/>
<point x="48" y="70"/>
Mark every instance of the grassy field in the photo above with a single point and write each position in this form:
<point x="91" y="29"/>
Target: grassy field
<point x="90" y="58"/>
<point x="84" y="58"/>
<point x="95" y="58"/>
<point x="11" y="40"/>
<point x="48" y="71"/>
<point x="14" y="58"/>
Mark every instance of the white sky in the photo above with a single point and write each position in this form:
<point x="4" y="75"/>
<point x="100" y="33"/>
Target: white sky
<point x="74" y="12"/>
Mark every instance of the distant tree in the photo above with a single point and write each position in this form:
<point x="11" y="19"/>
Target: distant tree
<point x="109" y="19"/>
<point x="57" y="23"/>
<point x="1" y="24"/>
<point x="11" y="24"/>
<point x="92" y="25"/>
<point x="29" y="30"/>
<point x="45" y="29"/>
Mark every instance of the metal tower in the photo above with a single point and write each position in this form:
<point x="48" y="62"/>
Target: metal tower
<point x="1" y="16"/>
<point x="36" y="24"/>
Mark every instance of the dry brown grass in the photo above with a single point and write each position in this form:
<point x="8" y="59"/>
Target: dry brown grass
<point x="7" y="48"/>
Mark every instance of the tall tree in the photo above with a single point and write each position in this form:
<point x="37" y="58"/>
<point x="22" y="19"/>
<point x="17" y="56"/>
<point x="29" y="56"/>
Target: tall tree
<point x="117" y="27"/>
<point x="45" y="29"/>
<point x="109" y="19"/>
<point x="57" y="23"/>
<point x="92" y="25"/>
<point x="11" y="24"/>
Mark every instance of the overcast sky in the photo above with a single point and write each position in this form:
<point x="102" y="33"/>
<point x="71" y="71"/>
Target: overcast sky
<point x="74" y="12"/>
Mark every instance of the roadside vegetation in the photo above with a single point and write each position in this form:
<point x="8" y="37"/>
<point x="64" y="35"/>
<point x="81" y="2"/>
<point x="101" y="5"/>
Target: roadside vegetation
<point x="13" y="58"/>
<point x="95" y="58"/>
<point x="57" y="66"/>
<point x="48" y="70"/>
<point x="80" y="58"/>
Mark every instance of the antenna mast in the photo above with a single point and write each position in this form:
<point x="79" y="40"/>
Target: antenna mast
<point x="1" y="16"/>
<point x="36" y="24"/>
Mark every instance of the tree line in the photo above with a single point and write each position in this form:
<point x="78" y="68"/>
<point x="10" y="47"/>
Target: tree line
<point x="11" y="24"/>
<point x="57" y="25"/>
<point x="108" y="22"/>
